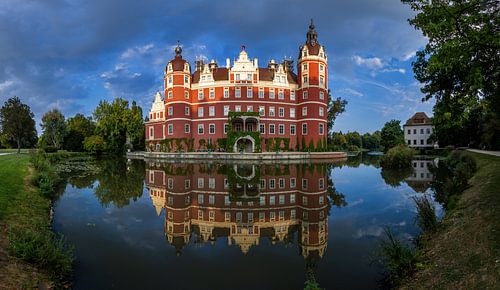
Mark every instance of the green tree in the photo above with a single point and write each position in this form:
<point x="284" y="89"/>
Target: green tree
<point x="391" y="135"/>
<point x="335" y="108"/>
<point x="459" y="68"/>
<point x="119" y="125"/>
<point x="339" y="139"/>
<point x="353" y="138"/>
<point x="94" y="144"/>
<point x="78" y="128"/>
<point x="54" y="128"/>
<point x="17" y="124"/>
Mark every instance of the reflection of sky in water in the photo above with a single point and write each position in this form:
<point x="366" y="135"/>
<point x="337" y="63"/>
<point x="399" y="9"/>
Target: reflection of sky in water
<point x="126" y="247"/>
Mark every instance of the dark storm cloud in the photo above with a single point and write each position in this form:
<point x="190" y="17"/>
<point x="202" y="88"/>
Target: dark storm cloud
<point x="69" y="54"/>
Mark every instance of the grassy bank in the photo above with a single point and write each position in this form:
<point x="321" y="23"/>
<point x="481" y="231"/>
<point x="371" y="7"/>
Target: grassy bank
<point x="464" y="252"/>
<point x="30" y="253"/>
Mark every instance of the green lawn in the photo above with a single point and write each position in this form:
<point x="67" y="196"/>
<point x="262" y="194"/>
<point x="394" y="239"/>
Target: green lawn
<point x="22" y="208"/>
<point x="465" y="252"/>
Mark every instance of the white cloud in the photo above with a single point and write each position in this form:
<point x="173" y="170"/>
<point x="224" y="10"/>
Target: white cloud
<point x="370" y="62"/>
<point x="350" y="92"/>
<point x="4" y="85"/>
<point x="399" y="70"/>
<point x="408" y="55"/>
<point x="137" y="51"/>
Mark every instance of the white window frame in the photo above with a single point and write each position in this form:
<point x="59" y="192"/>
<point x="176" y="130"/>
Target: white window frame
<point x="294" y="129"/>
<point x="202" y="127"/>
<point x="210" y="127"/>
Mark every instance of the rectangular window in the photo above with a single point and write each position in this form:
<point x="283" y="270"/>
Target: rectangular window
<point x="170" y="111"/>
<point x="281" y="184"/>
<point x="304" y="66"/>
<point x="200" y="196"/>
<point x="170" y="129"/>
<point x="186" y="80"/>
<point x="281" y="199"/>
<point x="211" y="129"/>
<point x="262" y="111"/>
<point x="292" y="95"/>
<point x="226" y="128"/>
<point x="304" y="183"/>
<point x="280" y="95"/>
<point x="200" y="129"/>
<point x="226" y="93"/>
<point x="237" y="77"/>
<point x="237" y="109"/>
<point x="262" y="186"/>
<point x="321" y="80"/>
<point x="151" y="133"/>
<point x="271" y="128"/>
<point x="200" y="112"/>
<point x="292" y="112"/>
<point x="321" y="95"/>
<point x="212" y="93"/>
<point x="170" y="79"/>
<point x="428" y="130"/>
<point x="227" y="216"/>
<point x="281" y="129"/>
<point x="293" y="183"/>
<point x="321" y="129"/>
<point x="211" y="111"/>
<point x="321" y="111"/>
<point x="250" y="217"/>
<point x="321" y="67"/>
<point x="249" y="77"/>
<point x="292" y="129"/>
<point x="249" y="93"/>
<point x="186" y="95"/>
<point x="262" y="128"/>
<point x="281" y="112"/>
<point x="200" y="94"/>
<point x="272" y="216"/>
<point x="305" y="95"/>
<point x="261" y="93"/>
<point x="292" y="198"/>
<point x="211" y="199"/>
<point x="238" y="92"/>
<point x="226" y="110"/>
<point x="187" y="128"/>
<point x="249" y="108"/>
<point x="262" y="216"/>
<point x="186" y="111"/>
<point x="422" y="131"/>
<point x="304" y="129"/>
<point x="271" y="93"/>
<point x="305" y="80"/>
<point x="272" y="199"/>
<point x="187" y="185"/>
<point x="271" y="111"/>
<point x="321" y="183"/>
<point x="293" y="214"/>
<point x="304" y="111"/>
<point x="170" y="95"/>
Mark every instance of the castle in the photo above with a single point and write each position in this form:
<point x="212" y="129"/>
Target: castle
<point x="241" y="107"/>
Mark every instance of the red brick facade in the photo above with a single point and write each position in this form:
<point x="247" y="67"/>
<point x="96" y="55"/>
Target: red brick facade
<point x="195" y="104"/>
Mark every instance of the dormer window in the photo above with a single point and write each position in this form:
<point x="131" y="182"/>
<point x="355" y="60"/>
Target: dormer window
<point x="169" y="67"/>
<point x="321" y="54"/>
<point x="186" y="67"/>
<point x="237" y="77"/>
<point x="249" y="77"/>
<point x="203" y="78"/>
<point x="304" y="53"/>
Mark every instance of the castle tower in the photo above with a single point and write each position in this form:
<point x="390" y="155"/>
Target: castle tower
<point x="312" y="94"/>
<point x="177" y="83"/>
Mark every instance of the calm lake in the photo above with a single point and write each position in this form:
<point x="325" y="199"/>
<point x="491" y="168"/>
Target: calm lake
<point x="141" y="225"/>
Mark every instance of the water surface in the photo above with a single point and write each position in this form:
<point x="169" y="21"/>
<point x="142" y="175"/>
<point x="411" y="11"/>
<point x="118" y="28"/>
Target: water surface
<point x="143" y="225"/>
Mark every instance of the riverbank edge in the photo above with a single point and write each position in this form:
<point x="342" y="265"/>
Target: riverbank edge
<point x="224" y="156"/>
<point x="26" y="210"/>
<point x="465" y="251"/>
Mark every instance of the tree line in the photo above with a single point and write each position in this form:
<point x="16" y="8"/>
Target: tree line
<point x="113" y="127"/>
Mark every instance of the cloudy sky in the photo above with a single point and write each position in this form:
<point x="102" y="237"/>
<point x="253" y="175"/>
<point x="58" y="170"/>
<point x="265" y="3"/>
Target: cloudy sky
<point x="71" y="54"/>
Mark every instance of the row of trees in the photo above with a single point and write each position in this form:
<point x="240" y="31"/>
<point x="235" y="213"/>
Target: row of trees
<point x="114" y="127"/>
<point x="391" y="135"/>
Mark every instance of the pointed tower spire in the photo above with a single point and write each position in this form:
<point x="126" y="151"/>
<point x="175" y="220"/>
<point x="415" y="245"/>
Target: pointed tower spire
<point x="312" y="36"/>
<point x="178" y="50"/>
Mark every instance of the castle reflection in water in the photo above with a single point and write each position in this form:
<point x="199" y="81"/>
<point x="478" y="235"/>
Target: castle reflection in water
<point x="243" y="203"/>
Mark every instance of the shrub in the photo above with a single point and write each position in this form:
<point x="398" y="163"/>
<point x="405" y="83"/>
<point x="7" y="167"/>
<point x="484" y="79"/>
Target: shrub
<point x="94" y="144"/>
<point x="353" y="148"/>
<point x="400" y="259"/>
<point x="399" y="156"/>
<point x="426" y="214"/>
<point x="43" y="248"/>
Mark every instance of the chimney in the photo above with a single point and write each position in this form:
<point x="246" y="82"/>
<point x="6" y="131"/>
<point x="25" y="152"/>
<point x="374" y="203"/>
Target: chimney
<point x="272" y="64"/>
<point x="256" y="63"/>
<point x="288" y="64"/>
<point x="212" y="65"/>
<point x="228" y="63"/>
<point x="199" y="64"/>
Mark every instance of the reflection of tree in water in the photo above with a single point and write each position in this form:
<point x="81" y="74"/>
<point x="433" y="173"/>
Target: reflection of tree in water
<point x="394" y="177"/>
<point x="119" y="181"/>
<point x="336" y="198"/>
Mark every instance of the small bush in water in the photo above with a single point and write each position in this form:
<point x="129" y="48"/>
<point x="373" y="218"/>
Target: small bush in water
<point x="426" y="214"/>
<point x="398" y="157"/>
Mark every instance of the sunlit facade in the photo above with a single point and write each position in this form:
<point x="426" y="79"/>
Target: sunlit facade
<point x="273" y="104"/>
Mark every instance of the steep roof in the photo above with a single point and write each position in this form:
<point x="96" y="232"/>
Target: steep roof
<point x="420" y="118"/>
<point x="265" y="74"/>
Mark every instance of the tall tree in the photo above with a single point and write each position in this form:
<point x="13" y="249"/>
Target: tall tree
<point x="460" y="67"/>
<point x="335" y="108"/>
<point x="118" y="124"/>
<point x="54" y="128"/>
<point x="391" y="135"/>
<point x="17" y="123"/>
<point x="77" y="129"/>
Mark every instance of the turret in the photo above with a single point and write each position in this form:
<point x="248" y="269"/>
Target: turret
<point x="312" y="70"/>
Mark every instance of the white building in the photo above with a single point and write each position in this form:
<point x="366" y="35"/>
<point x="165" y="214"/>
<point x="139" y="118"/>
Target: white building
<point x="417" y="131"/>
